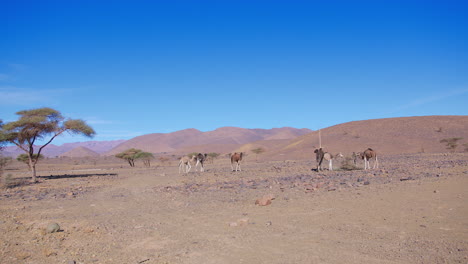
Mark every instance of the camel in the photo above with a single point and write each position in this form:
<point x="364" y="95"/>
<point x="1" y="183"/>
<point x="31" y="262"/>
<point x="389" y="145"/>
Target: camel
<point x="200" y="160"/>
<point x="320" y="155"/>
<point x="184" y="163"/>
<point x="367" y="155"/>
<point x="237" y="158"/>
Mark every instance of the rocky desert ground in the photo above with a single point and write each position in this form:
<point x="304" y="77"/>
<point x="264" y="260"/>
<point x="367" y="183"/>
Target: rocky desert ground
<point x="412" y="209"/>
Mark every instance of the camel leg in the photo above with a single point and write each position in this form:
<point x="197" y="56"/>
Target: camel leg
<point x="365" y="163"/>
<point x="189" y="167"/>
<point x="196" y="165"/>
<point x="201" y="167"/>
<point x="232" y="167"/>
<point x="238" y="165"/>
<point x="330" y="165"/>
<point x="376" y="163"/>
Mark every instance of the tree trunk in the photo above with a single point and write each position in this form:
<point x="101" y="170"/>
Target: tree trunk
<point x="32" y="167"/>
<point x="33" y="173"/>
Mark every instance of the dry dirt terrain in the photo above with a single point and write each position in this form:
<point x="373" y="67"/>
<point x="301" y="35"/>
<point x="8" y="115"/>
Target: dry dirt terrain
<point x="413" y="209"/>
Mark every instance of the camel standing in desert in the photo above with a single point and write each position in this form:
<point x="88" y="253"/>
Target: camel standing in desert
<point x="237" y="158"/>
<point x="320" y="155"/>
<point x="367" y="155"/>
<point x="184" y="163"/>
<point x="200" y="160"/>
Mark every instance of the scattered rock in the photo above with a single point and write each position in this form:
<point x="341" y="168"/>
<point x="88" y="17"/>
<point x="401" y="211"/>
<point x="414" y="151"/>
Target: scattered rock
<point x="52" y="228"/>
<point x="265" y="200"/>
<point x="406" y="179"/>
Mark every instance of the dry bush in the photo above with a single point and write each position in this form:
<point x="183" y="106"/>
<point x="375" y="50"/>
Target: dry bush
<point x="348" y="164"/>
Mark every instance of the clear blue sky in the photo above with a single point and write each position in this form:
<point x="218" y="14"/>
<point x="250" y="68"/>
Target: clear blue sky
<point x="130" y="68"/>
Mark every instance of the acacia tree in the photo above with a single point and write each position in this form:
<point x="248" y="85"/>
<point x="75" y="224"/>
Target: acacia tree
<point x="129" y="155"/>
<point x="41" y="124"/>
<point x="146" y="157"/>
<point x="257" y="151"/>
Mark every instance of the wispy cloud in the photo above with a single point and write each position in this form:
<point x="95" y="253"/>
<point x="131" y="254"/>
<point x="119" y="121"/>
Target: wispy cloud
<point x="11" y="95"/>
<point x="98" y="121"/>
<point x="114" y="135"/>
<point x="430" y="99"/>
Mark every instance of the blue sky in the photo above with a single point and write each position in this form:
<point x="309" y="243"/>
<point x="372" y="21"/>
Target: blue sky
<point x="130" y="68"/>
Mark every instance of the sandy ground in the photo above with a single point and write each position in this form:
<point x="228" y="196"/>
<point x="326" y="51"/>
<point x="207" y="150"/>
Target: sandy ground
<point x="413" y="209"/>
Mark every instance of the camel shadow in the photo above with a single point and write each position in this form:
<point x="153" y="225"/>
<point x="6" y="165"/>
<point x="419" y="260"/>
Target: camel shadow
<point x="72" y="176"/>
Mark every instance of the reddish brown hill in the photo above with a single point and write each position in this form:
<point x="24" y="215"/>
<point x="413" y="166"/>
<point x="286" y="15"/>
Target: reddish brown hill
<point x="80" y="152"/>
<point x="221" y="140"/>
<point x="387" y="136"/>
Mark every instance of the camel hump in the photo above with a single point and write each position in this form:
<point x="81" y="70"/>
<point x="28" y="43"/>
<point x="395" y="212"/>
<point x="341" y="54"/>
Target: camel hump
<point x="370" y="149"/>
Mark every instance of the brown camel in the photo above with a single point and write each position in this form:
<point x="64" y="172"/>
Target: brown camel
<point x="367" y="155"/>
<point x="200" y="160"/>
<point x="237" y="158"/>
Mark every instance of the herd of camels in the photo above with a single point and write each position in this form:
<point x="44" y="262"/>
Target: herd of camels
<point x="320" y="156"/>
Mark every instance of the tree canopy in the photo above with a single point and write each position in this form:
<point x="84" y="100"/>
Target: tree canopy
<point x="40" y="125"/>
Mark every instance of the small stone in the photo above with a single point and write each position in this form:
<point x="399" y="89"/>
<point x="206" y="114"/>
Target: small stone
<point x="243" y="221"/>
<point x="366" y="183"/>
<point x="436" y="191"/>
<point x="52" y="228"/>
<point x="265" y="200"/>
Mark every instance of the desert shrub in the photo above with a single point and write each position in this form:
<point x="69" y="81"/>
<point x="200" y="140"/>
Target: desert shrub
<point x="348" y="164"/>
<point x="451" y="143"/>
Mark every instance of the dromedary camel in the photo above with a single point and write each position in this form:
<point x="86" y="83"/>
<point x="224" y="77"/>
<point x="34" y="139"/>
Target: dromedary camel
<point x="320" y="155"/>
<point x="201" y="160"/>
<point x="367" y="155"/>
<point x="237" y="158"/>
<point x="184" y="163"/>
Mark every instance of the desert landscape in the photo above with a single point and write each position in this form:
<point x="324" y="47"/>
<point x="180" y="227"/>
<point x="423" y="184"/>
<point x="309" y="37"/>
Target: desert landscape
<point x="278" y="209"/>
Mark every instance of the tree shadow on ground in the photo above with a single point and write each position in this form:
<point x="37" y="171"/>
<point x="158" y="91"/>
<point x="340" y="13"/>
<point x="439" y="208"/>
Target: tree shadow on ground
<point x="71" y="176"/>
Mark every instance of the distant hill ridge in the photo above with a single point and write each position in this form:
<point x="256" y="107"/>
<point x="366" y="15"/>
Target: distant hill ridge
<point x="224" y="138"/>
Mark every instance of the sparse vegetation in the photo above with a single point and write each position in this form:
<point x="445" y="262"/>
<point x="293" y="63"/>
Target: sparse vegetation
<point x="130" y="155"/>
<point x="213" y="156"/>
<point x="40" y="124"/>
<point x="25" y="158"/>
<point x="257" y="151"/>
<point x="348" y="164"/>
<point x="451" y="143"/>
<point x="465" y="147"/>
<point x="163" y="159"/>
<point x="146" y="157"/>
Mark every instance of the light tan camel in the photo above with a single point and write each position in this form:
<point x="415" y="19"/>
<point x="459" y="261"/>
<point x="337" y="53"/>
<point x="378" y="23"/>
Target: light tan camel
<point x="329" y="157"/>
<point x="201" y="160"/>
<point x="184" y="163"/>
<point x="367" y="155"/>
<point x="237" y="158"/>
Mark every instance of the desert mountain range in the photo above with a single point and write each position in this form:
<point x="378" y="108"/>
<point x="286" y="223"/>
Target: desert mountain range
<point x="387" y="136"/>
